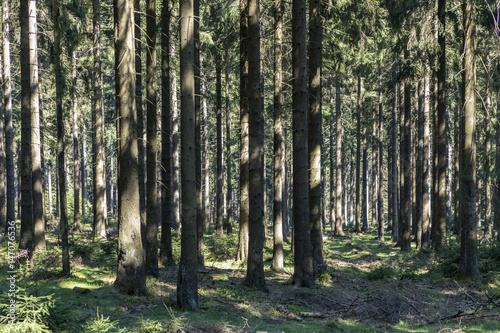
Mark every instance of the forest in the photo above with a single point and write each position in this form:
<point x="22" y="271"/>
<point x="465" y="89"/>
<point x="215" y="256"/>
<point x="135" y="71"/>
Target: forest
<point x="250" y="166"/>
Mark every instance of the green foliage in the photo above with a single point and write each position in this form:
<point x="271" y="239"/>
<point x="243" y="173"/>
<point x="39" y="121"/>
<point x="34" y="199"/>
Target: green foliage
<point x="222" y="247"/>
<point x="102" y="252"/>
<point x="100" y="324"/>
<point x="382" y="272"/>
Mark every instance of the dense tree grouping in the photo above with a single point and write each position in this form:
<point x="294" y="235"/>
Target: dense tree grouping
<point x="268" y="118"/>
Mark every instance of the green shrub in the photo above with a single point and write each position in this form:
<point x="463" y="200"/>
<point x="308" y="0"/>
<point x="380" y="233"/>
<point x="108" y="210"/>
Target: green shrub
<point x="100" y="325"/>
<point x="382" y="272"/>
<point x="223" y="247"/>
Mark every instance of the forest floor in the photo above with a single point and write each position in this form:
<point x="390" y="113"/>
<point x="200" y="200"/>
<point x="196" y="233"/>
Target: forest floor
<point x="368" y="286"/>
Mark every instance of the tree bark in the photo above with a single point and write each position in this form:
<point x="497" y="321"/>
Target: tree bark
<point x="380" y="159"/>
<point x="394" y="161"/>
<point x="440" y="131"/>
<point x="255" y="263"/>
<point x="140" y="117"/>
<point x="406" y="167"/>
<point x="357" y="221"/>
<point x="469" y="256"/>
<point x="26" y="185"/>
<point x="278" y="140"/>
<point x="76" y="157"/>
<point x="166" y="256"/>
<point x="9" y="130"/>
<point x="38" y="207"/>
<point x="303" y="261"/>
<point x="426" y="174"/>
<point x="229" y="188"/>
<point x="220" y="166"/>
<point x="244" y="180"/>
<point x="315" y="130"/>
<point x="151" y="143"/>
<point x="100" y="211"/>
<point x="63" y="218"/>
<point x="339" y="189"/>
<point x="187" y="283"/>
<point x="131" y="274"/>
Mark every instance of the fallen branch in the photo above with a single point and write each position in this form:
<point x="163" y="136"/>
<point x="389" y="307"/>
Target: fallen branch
<point x="350" y="306"/>
<point x="465" y="292"/>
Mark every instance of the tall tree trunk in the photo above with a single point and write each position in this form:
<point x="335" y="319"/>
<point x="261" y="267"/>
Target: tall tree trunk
<point x="315" y="130"/>
<point x="131" y="273"/>
<point x="406" y="166"/>
<point x="469" y="256"/>
<point x="176" y="152"/>
<point x="303" y="261"/>
<point x="166" y="256"/>
<point x="379" y="160"/>
<point x="187" y="283"/>
<point x="255" y="264"/>
<point x="100" y="211"/>
<point x="394" y="161"/>
<point x="26" y="185"/>
<point x="357" y="222"/>
<point x="332" y="201"/>
<point x="339" y="188"/>
<point x="426" y="175"/>
<point x="3" y="223"/>
<point x="84" y="170"/>
<point x="220" y="166"/>
<point x="140" y="117"/>
<point x="440" y="131"/>
<point x="49" y="186"/>
<point x="487" y="163"/>
<point x="419" y="168"/>
<point x="76" y="158"/>
<point x="244" y="180"/>
<point x="38" y="208"/>
<point x="205" y="157"/>
<point x="229" y="189"/>
<point x="197" y="105"/>
<point x="151" y="143"/>
<point x="9" y="130"/>
<point x="496" y="194"/>
<point x="364" y="177"/>
<point x="63" y="218"/>
<point x="278" y="140"/>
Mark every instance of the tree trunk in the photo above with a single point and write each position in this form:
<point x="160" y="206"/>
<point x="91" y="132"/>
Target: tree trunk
<point x="3" y="223"/>
<point x="140" y="116"/>
<point x="426" y="175"/>
<point x="229" y="211"/>
<point x="339" y="189"/>
<point x="255" y="264"/>
<point x="315" y="130"/>
<point x="419" y="168"/>
<point x="220" y="166"/>
<point x="440" y="131"/>
<point x="364" y="177"/>
<point x="84" y="171"/>
<point x="244" y="180"/>
<point x="332" y="201"/>
<point x="197" y="105"/>
<point x="278" y="140"/>
<point x="131" y="274"/>
<point x="63" y="218"/>
<point x="406" y="167"/>
<point x="303" y="261"/>
<point x="100" y="210"/>
<point x="26" y="185"/>
<point x="151" y="143"/>
<point x="357" y="222"/>
<point x="166" y="256"/>
<point x="394" y="161"/>
<point x="187" y="283"/>
<point x="38" y="208"/>
<point x="76" y="158"/>
<point x="9" y="130"/>
<point x="380" y="159"/>
<point x="469" y="256"/>
<point x="175" y="142"/>
<point x="205" y="157"/>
